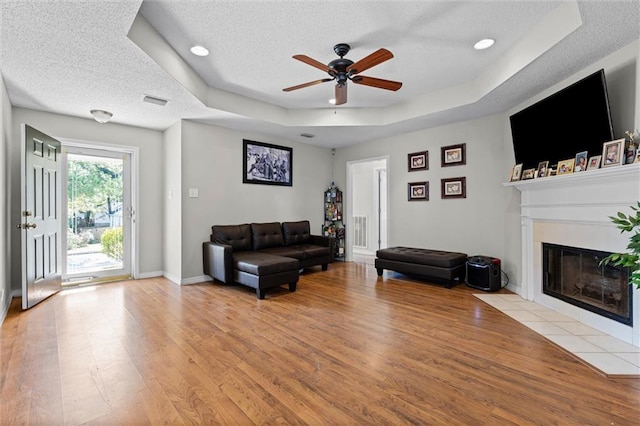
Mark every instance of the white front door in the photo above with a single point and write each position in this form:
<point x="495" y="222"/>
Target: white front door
<point x="40" y="216"/>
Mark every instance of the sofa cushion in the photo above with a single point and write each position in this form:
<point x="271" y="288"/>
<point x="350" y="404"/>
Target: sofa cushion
<point x="258" y="263"/>
<point x="293" y="252"/>
<point x="312" y="251"/>
<point x="266" y="235"/>
<point x="296" y="232"/>
<point x="237" y="236"/>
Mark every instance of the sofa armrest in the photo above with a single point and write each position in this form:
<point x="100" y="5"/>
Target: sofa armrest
<point x="218" y="261"/>
<point x="323" y="241"/>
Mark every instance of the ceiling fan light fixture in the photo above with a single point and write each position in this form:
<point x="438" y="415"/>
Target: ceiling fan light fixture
<point x="199" y="50"/>
<point x="485" y="43"/>
<point x="101" y="116"/>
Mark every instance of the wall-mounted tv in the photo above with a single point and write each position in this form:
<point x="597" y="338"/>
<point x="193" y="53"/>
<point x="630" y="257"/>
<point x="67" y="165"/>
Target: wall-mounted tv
<point x="574" y="119"/>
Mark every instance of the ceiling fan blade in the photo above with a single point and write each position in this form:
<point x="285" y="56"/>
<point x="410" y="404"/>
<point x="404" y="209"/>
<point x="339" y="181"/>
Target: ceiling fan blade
<point x="341" y="94"/>
<point x="377" y="82"/>
<point x="310" y="61"/>
<point x="377" y="57"/>
<point x="303" y="85"/>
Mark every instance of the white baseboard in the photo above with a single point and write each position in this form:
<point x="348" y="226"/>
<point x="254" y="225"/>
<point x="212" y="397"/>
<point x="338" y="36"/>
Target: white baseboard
<point x="16" y="293"/>
<point x="196" y="280"/>
<point x="154" y="274"/>
<point x="172" y="278"/>
<point x="5" y="309"/>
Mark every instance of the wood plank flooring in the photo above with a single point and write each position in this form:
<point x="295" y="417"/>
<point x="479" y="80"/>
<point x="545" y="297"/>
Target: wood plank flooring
<point x="346" y="348"/>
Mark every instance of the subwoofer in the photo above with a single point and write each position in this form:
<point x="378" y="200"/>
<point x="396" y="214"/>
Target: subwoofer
<point x="484" y="273"/>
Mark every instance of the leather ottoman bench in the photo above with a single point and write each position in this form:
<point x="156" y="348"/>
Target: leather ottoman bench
<point x="425" y="263"/>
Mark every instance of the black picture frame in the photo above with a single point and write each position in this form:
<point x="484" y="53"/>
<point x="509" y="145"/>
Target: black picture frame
<point x="418" y="161"/>
<point x="453" y="155"/>
<point x="454" y="187"/>
<point x="418" y="191"/>
<point x="266" y="164"/>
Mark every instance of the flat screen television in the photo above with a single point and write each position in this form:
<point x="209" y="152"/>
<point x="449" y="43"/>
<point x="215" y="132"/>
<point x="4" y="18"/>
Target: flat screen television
<point x="574" y="119"/>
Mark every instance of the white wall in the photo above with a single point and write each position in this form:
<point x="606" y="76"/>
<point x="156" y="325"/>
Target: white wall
<point x="473" y="225"/>
<point x="212" y="163"/>
<point x="5" y="223"/>
<point x="149" y="142"/>
<point x="172" y="202"/>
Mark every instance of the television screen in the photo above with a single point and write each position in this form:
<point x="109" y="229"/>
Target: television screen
<point x="572" y="120"/>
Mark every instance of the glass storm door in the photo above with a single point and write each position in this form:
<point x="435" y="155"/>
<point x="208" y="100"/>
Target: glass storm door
<point x="98" y="216"/>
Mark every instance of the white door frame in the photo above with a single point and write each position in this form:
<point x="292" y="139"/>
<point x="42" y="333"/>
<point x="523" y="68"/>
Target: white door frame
<point x="349" y="210"/>
<point x="133" y="152"/>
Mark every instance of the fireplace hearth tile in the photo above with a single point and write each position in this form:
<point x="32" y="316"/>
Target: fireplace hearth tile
<point x="574" y="343"/>
<point x="529" y="306"/>
<point x="611" y="344"/>
<point x="580" y="329"/>
<point x="630" y="357"/>
<point x="546" y="328"/>
<point x="523" y="315"/>
<point x="554" y="316"/>
<point x="606" y="354"/>
<point x="610" y="364"/>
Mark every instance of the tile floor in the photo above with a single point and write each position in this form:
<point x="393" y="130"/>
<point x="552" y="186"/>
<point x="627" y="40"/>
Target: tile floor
<point x="608" y="355"/>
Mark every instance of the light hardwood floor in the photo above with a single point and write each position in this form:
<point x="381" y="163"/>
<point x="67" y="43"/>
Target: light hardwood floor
<point x="345" y="348"/>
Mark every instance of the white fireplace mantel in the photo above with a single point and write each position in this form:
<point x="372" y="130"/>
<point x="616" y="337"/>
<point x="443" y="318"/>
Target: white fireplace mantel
<point x="574" y="210"/>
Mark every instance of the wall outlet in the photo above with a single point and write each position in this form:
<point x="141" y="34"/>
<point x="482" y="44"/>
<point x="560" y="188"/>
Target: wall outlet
<point x="193" y="192"/>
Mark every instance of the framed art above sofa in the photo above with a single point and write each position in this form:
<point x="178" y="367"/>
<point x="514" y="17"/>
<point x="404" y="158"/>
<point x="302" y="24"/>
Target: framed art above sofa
<point x="266" y="164"/>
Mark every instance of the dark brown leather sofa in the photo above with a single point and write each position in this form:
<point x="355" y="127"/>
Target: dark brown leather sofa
<point x="264" y="255"/>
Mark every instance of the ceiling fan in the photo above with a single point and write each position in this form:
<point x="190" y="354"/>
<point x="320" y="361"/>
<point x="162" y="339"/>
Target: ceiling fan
<point x="344" y="69"/>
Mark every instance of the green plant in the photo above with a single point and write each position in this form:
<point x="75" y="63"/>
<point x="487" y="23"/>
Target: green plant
<point x="112" y="243"/>
<point x="631" y="259"/>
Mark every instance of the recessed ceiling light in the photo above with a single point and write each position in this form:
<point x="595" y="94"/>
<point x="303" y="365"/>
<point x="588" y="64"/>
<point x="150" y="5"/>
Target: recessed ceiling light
<point x="484" y="44"/>
<point x="332" y="101"/>
<point x="199" y="51"/>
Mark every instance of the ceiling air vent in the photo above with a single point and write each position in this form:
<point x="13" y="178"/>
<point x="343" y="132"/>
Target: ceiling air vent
<point x="155" y="100"/>
<point x="307" y="135"/>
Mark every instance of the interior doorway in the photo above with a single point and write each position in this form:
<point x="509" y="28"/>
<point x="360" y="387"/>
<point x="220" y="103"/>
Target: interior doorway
<point x="367" y="208"/>
<point x="98" y="214"/>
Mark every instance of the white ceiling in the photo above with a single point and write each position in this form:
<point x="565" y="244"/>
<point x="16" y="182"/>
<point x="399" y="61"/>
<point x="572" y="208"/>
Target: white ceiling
<point x="72" y="56"/>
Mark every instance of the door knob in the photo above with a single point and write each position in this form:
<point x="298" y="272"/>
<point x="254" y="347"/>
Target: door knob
<point x="26" y="225"/>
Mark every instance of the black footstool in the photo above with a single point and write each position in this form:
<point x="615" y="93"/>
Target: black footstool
<point x="430" y="264"/>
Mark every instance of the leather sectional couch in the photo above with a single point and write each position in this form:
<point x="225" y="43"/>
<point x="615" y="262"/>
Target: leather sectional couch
<point x="264" y="255"/>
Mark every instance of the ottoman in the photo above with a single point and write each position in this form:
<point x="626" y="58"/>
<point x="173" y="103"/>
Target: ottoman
<point x="445" y="266"/>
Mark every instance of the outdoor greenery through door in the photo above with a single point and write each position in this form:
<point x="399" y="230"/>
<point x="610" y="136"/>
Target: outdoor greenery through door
<point x="96" y="216"/>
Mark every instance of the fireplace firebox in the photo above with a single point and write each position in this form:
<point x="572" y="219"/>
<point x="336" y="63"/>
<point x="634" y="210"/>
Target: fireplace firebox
<point x="575" y="276"/>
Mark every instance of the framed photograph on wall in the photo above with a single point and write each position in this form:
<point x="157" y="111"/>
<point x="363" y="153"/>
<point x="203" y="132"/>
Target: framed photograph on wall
<point x="267" y="164"/>
<point x="418" y="161"/>
<point x="594" y="162"/>
<point x="565" y="166"/>
<point x="453" y="155"/>
<point x="612" y="153"/>
<point x="454" y="187"/>
<point x="516" y="172"/>
<point x="418" y="191"/>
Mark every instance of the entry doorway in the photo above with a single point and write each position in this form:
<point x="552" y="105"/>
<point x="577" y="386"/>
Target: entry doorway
<point x="98" y="211"/>
<point x="366" y="208"/>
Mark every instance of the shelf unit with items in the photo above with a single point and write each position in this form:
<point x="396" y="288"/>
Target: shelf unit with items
<point x="333" y="225"/>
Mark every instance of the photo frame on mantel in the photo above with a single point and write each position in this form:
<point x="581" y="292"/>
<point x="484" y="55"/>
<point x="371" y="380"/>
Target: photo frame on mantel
<point x="453" y="155"/>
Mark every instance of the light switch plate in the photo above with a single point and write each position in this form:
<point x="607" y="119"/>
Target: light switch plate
<point x="193" y="192"/>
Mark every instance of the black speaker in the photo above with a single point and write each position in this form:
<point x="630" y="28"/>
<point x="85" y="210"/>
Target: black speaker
<point x="483" y="273"/>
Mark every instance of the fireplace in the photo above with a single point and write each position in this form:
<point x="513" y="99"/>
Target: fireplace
<point x="576" y="276"/>
<point x="573" y="211"/>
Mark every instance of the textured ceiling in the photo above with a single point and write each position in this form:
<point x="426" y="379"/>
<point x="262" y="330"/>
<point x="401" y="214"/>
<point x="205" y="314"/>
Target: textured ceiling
<point x="72" y="56"/>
